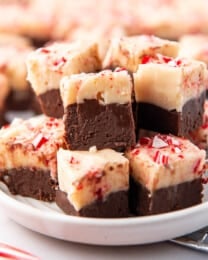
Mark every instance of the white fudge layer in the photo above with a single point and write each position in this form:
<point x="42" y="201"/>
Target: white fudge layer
<point x="31" y="143"/>
<point x="169" y="83"/>
<point x="127" y="52"/>
<point x="46" y="66"/>
<point x="87" y="176"/>
<point x="163" y="161"/>
<point x="107" y="87"/>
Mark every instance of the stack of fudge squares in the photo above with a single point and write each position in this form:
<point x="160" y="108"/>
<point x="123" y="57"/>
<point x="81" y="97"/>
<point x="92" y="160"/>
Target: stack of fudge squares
<point x="88" y="152"/>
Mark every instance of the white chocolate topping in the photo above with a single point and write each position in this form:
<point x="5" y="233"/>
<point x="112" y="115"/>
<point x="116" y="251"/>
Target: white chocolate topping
<point x="46" y="66"/>
<point x="163" y="161"/>
<point x="169" y="83"/>
<point x="31" y="143"/>
<point x="87" y="176"/>
<point x="107" y="87"/>
<point x="127" y="52"/>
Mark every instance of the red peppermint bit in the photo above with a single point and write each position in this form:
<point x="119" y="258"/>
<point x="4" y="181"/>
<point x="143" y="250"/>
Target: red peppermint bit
<point x="44" y="50"/>
<point x="144" y="140"/>
<point x="178" y="62"/>
<point x="79" y="186"/>
<point x="135" y="152"/>
<point x="166" y="59"/>
<point x="156" y="157"/>
<point x="60" y="61"/>
<point x="181" y="156"/>
<point x="205" y="180"/>
<point x="99" y="194"/>
<point x="176" y="149"/>
<point x="164" y="159"/>
<point x="204" y="126"/>
<point x="145" y="59"/>
<point x="160" y="158"/>
<point x="73" y="160"/>
<point x="39" y="140"/>
<point x="196" y="167"/>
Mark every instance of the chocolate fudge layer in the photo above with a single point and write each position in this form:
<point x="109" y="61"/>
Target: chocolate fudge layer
<point x="161" y="120"/>
<point x="46" y="67"/>
<point x="176" y="197"/>
<point x="56" y="110"/>
<point x="90" y="123"/>
<point x="166" y="174"/>
<point x="30" y="182"/>
<point x="93" y="183"/>
<point x="98" y="110"/>
<point x="114" y="206"/>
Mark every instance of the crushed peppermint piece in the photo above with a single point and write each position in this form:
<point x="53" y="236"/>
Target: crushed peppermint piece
<point x="157" y="142"/>
<point x="39" y="140"/>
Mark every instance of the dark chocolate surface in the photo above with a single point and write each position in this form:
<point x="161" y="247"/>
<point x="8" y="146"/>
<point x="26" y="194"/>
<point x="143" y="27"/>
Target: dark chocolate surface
<point x="51" y="103"/>
<point x="157" y="119"/>
<point x="30" y="182"/>
<point x="180" y="196"/>
<point x="104" y="126"/>
<point x="114" y="206"/>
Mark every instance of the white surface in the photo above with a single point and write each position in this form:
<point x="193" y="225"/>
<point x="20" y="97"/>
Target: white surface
<point x="47" y="219"/>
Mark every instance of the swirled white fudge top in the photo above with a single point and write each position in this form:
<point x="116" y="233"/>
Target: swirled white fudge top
<point x="106" y="86"/>
<point x="200" y="136"/>
<point x="87" y="176"/>
<point x="169" y="82"/>
<point x="127" y="52"/>
<point x="194" y="46"/>
<point x="31" y="143"/>
<point x="13" y="53"/>
<point x="47" y="65"/>
<point x="163" y="160"/>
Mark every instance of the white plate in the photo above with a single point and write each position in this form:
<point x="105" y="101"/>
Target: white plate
<point x="47" y="218"/>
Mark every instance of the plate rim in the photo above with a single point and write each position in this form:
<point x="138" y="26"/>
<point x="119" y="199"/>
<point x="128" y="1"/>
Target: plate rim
<point x="10" y="203"/>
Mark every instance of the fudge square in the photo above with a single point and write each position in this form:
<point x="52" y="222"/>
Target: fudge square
<point x="166" y="174"/>
<point x="93" y="183"/>
<point x="98" y="110"/>
<point x="127" y="52"/>
<point x="28" y="156"/>
<point x="46" y="66"/>
<point x="170" y="94"/>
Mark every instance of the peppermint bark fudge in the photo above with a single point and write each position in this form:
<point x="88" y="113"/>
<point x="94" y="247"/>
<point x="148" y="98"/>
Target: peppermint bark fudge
<point x="166" y="174"/>
<point x="98" y="110"/>
<point x="46" y="66"/>
<point x="93" y="183"/>
<point x="170" y="94"/>
<point x="14" y="51"/>
<point x="28" y="156"/>
<point x="128" y="52"/>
